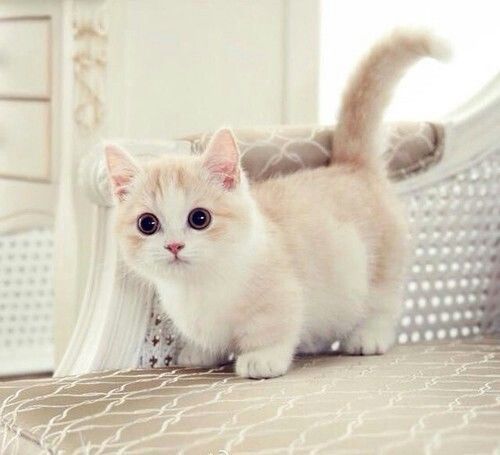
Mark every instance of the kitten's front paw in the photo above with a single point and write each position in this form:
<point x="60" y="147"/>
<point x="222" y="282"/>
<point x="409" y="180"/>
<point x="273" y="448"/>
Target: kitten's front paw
<point x="262" y="364"/>
<point x="192" y="356"/>
<point x="369" y="340"/>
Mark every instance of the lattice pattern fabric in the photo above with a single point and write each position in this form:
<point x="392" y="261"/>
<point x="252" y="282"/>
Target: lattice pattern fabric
<point x="439" y="398"/>
<point x="411" y="147"/>
<point x="26" y="301"/>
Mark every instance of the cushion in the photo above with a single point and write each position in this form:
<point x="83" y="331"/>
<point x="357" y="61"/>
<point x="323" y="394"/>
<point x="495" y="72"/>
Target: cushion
<point x="411" y="147"/>
<point x="422" y="398"/>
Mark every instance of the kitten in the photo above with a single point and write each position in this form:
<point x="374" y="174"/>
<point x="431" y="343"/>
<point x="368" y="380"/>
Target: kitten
<point x="268" y="269"/>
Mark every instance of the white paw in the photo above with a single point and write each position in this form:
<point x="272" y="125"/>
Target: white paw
<point x="264" y="363"/>
<point x="369" y="341"/>
<point x="192" y="356"/>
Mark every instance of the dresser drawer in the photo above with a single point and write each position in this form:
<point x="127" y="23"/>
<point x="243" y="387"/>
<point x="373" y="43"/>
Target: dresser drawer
<point x="25" y="57"/>
<point x="25" y="139"/>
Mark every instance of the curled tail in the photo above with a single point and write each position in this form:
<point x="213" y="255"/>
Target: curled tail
<point x="358" y="131"/>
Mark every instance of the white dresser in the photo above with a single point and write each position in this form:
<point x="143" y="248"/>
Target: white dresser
<point x="29" y="144"/>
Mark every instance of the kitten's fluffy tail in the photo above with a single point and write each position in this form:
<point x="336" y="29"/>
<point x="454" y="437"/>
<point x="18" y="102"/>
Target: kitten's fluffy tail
<point x="358" y="132"/>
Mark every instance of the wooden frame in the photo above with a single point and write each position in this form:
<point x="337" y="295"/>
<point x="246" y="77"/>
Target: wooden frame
<point x="45" y="98"/>
<point x="48" y="89"/>
<point x="25" y="220"/>
<point x="47" y="150"/>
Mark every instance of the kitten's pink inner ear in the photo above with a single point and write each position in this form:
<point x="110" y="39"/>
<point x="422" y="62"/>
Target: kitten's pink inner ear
<point x="222" y="158"/>
<point x="122" y="169"/>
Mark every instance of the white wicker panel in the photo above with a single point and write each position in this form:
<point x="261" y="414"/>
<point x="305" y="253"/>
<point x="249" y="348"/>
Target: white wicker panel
<point x="454" y="273"/>
<point x="491" y="318"/>
<point x="26" y="302"/>
<point x="455" y="229"/>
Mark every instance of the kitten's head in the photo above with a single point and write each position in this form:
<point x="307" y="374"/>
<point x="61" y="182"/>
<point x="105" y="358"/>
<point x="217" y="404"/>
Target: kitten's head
<point x="182" y="216"/>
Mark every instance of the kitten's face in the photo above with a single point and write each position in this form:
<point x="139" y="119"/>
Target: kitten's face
<point x="181" y="216"/>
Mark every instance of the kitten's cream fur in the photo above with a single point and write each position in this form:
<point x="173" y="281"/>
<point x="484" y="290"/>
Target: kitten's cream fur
<point x="288" y="264"/>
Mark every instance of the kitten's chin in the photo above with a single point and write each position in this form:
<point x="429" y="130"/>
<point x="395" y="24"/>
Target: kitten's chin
<point x="169" y="269"/>
<point x="176" y="268"/>
<point x="177" y="262"/>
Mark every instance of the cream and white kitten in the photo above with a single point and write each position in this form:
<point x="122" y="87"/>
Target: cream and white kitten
<point x="267" y="269"/>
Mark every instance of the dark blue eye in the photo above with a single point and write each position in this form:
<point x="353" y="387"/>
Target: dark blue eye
<point x="148" y="224"/>
<point x="199" y="218"/>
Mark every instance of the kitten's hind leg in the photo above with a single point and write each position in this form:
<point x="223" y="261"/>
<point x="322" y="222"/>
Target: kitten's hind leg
<point x="377" y="333"/>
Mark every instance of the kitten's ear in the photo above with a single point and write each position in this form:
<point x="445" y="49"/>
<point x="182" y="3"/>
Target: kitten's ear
<point x="222" y="158"/>
<point x="122" y="169"/>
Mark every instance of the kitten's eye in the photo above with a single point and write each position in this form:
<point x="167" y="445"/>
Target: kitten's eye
<point x="148" y="224"/>
<point x="199" y="218"/>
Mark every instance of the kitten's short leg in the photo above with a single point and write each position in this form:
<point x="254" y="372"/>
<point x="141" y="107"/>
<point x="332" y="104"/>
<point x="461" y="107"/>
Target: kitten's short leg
<point x="377" y="333"/>
<point x="193" y="356"/>
<point x="266" y="362"/>
<point x="269" y="337"/>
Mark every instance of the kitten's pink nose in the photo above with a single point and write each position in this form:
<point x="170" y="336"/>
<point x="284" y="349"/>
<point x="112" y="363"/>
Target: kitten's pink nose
<point x="175" y="247"/>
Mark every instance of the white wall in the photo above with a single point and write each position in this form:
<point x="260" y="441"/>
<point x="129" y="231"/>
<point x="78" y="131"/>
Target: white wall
<point x="181" y="67"/>
<point x="302" y="44"/>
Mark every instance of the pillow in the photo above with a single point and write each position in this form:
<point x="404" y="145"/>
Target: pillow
<point x="411" y="147"/>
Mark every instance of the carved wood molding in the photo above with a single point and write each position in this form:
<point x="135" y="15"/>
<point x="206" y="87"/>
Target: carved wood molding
<point x="90" y="57"/>
<point x="24" y="220"/>
<point x="85" y="42"/>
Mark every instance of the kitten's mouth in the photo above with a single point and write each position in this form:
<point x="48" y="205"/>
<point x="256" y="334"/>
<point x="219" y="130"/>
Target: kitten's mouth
<point x="177" y="260"/>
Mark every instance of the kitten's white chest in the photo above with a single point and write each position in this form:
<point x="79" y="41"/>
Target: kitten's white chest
<point x="200" y="314"/>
